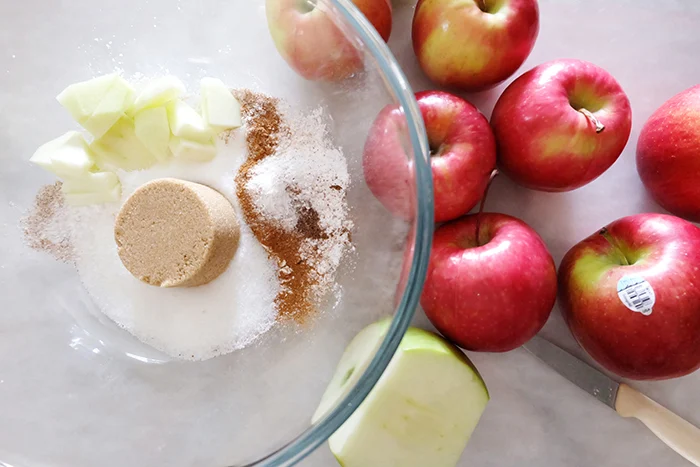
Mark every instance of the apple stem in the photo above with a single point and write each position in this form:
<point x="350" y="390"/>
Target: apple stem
<point x="435" y="152"/>
<point x="494" y="172"/>
<point x="598" y="124"/>
<point x="606" y="235"/>
<point x="306" y="6"/>
<point x="481" y="4"/>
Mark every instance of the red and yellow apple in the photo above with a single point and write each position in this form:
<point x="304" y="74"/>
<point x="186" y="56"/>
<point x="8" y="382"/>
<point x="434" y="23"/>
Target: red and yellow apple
<point x="308" y="37"/>
<point x="473" y="44"/>
<point x="561" y="125"/>
<point x="668" y="154"/>
<point x="463" y="155"/>
<point x="490" y="290"/>
<point x="630" y="295"/>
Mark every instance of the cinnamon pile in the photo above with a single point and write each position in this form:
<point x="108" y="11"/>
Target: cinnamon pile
<point x="40" y="226"/>
<point x="265" y="129"/>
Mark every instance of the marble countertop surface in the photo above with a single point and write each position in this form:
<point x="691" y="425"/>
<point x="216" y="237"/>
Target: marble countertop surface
<point x="536" y="418"/>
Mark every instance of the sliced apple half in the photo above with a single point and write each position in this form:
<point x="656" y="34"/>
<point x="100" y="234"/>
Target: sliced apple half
<point x="352" y="365"/>
<point x="422" y="410"/>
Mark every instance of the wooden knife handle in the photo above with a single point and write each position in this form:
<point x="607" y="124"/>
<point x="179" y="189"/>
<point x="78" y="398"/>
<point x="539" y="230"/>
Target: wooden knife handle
<point x="677" y="433"/>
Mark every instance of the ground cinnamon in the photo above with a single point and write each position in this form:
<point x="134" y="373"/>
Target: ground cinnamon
<point x="38" y="232"/>
<point x="265" y="130"/>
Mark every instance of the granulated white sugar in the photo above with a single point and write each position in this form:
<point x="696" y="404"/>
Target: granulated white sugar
<point x="190" y="323"/>
<point x="301" y="186"/>
<point x="307" y="170"/>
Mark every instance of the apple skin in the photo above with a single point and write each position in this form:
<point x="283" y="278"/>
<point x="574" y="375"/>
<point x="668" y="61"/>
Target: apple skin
<point x="460" y="46"/>
<point x="544" y="142"/>
<point x="668" y="154"/>
<point x="493" y="297"/>
<point x="665" y="251"/>
<point x="421" y="412"/>
<point x="378" y="12"/>
<point x="464" y="155"/>
<point x="313" y="45"/>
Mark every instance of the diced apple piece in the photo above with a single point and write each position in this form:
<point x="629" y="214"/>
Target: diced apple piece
<point x="420" y="413"/>
<point x="112" y="107"/>
<point x="65" y="156"/>
<point x="219" y="108"/>
<point x="97" y="197"/>
<point x="158" y="93"/>
<point x="81" y="99"/>
<point x="91" y="182"/>
<point x="97" y="104"/>
<point x="92" y="188"/>
<point x="153" y="130"/>
<point x="121" y="148"/>
<point x="187" y="124"/>
<point x="193" y="151"/>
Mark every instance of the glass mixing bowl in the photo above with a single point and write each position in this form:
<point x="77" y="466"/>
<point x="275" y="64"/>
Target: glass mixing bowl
<point x="76" y="390"/>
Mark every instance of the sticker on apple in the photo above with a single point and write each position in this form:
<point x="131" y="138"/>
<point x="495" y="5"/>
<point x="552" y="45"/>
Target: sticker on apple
<point x="636" y="294"/>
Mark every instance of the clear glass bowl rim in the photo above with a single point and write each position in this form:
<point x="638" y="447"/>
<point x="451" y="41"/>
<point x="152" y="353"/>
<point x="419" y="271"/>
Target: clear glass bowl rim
<point x="299" y="448"/>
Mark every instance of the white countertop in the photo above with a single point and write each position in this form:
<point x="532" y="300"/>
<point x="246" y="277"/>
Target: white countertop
<point x="536" y="418"/>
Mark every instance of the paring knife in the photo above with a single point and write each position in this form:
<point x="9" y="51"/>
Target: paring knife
<point x="677" y="433"/>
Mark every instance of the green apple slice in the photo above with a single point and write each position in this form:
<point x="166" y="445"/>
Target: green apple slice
<point x="81" y="99"/>
<point x="192" y="151"/>
<point x="220" y="109"/>
<point x="96" y="197"/>
<point x="120" y="148"/>
<point x="153" y="130"/>
<point x="91" y="182"/>
<point x="65" y="156"/>
<point x="98" y="104"/>
<point x="187" y="124"/>
<point x="158" y="92"/>
<point x="352" y="365"/>
<point x="111" y="108"/>
<point x="422" y="411"/>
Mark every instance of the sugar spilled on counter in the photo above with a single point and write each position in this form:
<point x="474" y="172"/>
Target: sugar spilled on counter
<point x="44" y="226"/>
<point x="187" y="323"/>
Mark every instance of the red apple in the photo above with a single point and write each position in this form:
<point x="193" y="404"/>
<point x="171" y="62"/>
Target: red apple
<point x="378" y="12"/>
<point x="493" y="293"/>
<point x="668" y="154"/>
<point x="463" y="154"/>
<point x="561" y="125"/>
<point x="307" y="36"/>
<point x="473" y="44"/>
<point x="631" y="296"/>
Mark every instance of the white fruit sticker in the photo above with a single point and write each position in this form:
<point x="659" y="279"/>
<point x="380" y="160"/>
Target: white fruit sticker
<point x="636" y="294"/>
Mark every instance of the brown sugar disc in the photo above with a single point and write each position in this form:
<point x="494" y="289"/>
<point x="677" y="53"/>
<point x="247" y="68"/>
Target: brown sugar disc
<point x="174" y="233"/>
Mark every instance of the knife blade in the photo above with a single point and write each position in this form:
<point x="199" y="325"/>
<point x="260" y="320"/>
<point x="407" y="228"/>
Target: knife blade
<point x="679" y="434"/>
<point x="578" y="372"/>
